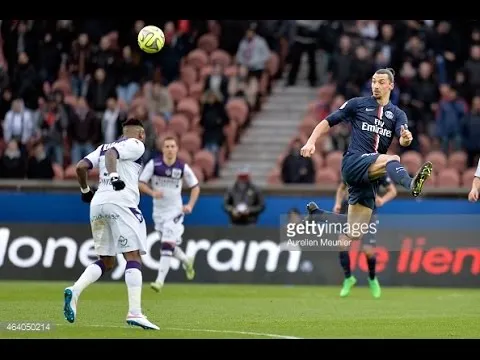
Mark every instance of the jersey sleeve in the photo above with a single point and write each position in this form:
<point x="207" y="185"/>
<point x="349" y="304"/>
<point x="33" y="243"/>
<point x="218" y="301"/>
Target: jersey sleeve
<point x="93" y="158"/>
<point x="189" y="177"/>
<point x="401" y="120"/>
<point x="147" y="172"/>
<point x="344" y="113"/>
<point x="477" y="172"/>
<point x="130" y="149"/>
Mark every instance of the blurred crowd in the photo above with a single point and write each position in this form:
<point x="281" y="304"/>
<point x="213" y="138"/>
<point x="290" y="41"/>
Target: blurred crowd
<point x="437" y="64"/>
<point x="66" y="86"/>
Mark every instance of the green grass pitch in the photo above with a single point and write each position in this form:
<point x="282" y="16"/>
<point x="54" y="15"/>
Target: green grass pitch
<point x="245" y="311"/>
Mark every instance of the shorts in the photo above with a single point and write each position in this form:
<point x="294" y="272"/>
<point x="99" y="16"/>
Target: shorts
<point x="117" y="229"/>
<point x="171" y="230"/>
<point x="361" y="190"/>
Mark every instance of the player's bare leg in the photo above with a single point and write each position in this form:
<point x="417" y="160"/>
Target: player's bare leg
<point x="187" y="263"/>
<point x="166" y="253"/>
<point x="91" y="274"/>
<point x="390" y="164"/>
<point x="134" y="282"/>
<point x="373" y="282"/>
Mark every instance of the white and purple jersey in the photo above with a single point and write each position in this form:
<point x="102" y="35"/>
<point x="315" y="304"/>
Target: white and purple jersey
<point x="129" y="166"/>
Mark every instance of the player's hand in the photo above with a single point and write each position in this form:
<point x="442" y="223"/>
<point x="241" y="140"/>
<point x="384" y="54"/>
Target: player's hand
<point x="187" y="209"/>
<point x="405" y="134"/>
<point x="473" y="195"/>
<point x="379" y="202"/>
<point x="307" y="150"/>
<point x="116" y="182"/>
<point x="337" y="208"/>
<point x="157" y="194"/>
<point x="88" y="195"/>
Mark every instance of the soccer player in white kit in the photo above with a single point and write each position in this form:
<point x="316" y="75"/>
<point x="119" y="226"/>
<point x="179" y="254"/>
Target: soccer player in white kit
<point x="473" y="194"/>
<point x="118" y="226"/>
<point x="162" y="179"/>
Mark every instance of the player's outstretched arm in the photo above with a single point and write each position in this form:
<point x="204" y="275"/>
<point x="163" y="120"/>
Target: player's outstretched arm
<point x="82" y="173"/>
<point x="473" y="194"/>
<point x="321" y="129"/>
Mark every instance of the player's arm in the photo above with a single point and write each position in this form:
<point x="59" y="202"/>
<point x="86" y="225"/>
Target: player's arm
<point x="339" y="196"/>
<point x="144" y="179"/>
<point x="389" y="195"/>
<point x="401" y="129"/>
<point x="128" y="150"/>
<point x="192" y="182"/>
<point x="88" y="162"/>
<point x="473" y="194"/>
<point x="345" y="112"/>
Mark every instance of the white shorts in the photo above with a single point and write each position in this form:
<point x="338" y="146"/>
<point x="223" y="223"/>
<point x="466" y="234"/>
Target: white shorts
<point x="171" y="230"/>
<point x="117" y="229"/>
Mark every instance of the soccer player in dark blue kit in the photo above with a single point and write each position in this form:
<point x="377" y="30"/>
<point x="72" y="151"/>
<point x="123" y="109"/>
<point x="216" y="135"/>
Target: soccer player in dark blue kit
<point x="387" y="192"/>
<point x="374" y="122"/>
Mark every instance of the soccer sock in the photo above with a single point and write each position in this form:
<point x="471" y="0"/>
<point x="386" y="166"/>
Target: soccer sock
<point x="399" y="174"/>
<point x="133" y="280"/>
<point x="92" y="273"/>
<point x="165" y="259"/>
<point x="345" y="263"/>
<point x="371" y="262"/>
<point x="180" y="255"/>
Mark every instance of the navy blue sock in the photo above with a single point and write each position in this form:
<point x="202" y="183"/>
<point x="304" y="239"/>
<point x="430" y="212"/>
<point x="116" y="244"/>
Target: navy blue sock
<point x="371" y="262"/>
<point x="399" y="174"/>
<point x="345" y="263"/>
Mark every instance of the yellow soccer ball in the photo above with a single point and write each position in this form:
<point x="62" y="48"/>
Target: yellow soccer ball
<point x="151" y="39"/>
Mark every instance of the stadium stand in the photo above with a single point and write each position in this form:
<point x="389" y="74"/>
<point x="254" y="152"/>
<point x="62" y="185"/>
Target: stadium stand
<point x="76" y="81"/>
<point x="169" y="98"/>
<point x="438" y="67"/>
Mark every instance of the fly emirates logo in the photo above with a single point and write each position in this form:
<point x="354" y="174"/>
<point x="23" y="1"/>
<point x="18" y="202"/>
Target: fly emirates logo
<point x="377" y="128"/>
<point x="222" y="255"/>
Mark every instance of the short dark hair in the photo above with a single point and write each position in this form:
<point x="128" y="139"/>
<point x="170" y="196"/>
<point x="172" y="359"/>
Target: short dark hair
<point x="387" y="71"/>
<point x="169" y="137"/>
<point x="132" y="122"/>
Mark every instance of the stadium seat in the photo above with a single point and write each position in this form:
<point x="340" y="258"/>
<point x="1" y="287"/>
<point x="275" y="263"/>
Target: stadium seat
<point x="438" y="159"/>
<point x="230" y="71"/>
<point x="327" y="176"/>
<point x="185" y="156"/>
<point x="159" y="124"/>
<point x="188" y="75"/>
<point x="208" y="43"/>
<point x="467" y="177"/>
<point x="220" y="57"/>
<point x="196" y="90"/>
<point x="274" y="176"/>
<point x="307" y="124"/>
<point x="206" y="161"/>
<point x="179" y="124"/>
<point x="333" y="160"/>
<point x="178" y="90"/>
<point x="237" y="110"/>
<point x="412" y="161"/>
<point x="204" y="72"/>
<point x="198" y="173"/>
<point x="190" y="142"/>
<point x="58" y="172"/>
<point x="458" y="160"/>
<point x="190" y="107"/>
<point x="70" y="172"/>
<point x="448" y="177"/>
<point x="425" y="144"/>
<point x="197" y="58"/>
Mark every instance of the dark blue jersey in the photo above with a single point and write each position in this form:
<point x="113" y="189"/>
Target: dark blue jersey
<point x="373" y="125"/>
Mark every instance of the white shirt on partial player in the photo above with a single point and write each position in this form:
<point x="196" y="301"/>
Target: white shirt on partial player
<point x="129" y="166"/>
<point x="477" y="173"/>
<point x="169" y="181"/>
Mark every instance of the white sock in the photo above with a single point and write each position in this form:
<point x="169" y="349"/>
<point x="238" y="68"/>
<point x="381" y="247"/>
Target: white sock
<point x="92" y="273"/>
<point x="180" y="255"/>
<point x="163" y="268"/>
<point x="133" y="280"/>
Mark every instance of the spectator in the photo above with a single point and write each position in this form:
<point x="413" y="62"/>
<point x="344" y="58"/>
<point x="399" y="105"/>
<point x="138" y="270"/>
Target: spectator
<point x="39" y="164"/>
<point x="13" y="164"/>
<point x="297" y="169"/>
<point x="242" y="86"/>
<point x="218" y="83"/>
<point x="253" y="52"/>
<point x="471" y="132"/>
<point x="49" y="59"/>
<point x="213" y="120"/>
<point x="128" y="76"/>
<point x="84" y="131"/>
<point x="159" y="100"/>
<point x="449" y="121"/>
<point x="99" y="90"/>
<point x="25" y="82"/>
<point x="18" y="124"/>
<point x="244" y="201"/>
<point x="112" y="120"/>
<point x="80" y="64"/>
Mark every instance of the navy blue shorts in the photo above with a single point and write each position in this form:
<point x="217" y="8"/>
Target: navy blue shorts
<point x="361" y="190"/>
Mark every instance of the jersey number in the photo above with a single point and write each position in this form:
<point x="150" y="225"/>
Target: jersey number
<point x="137" y="213"/>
